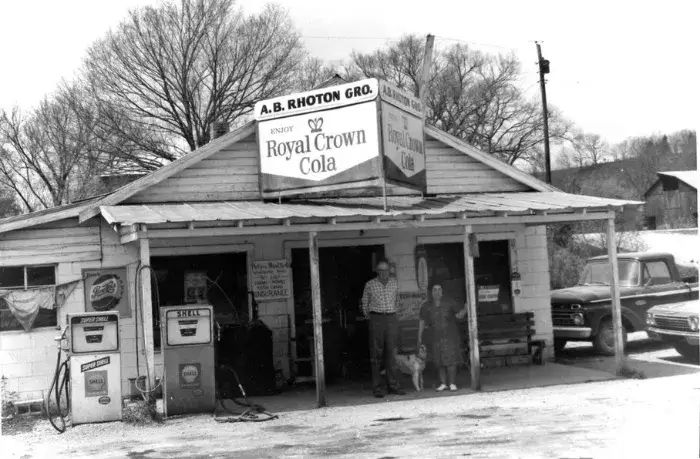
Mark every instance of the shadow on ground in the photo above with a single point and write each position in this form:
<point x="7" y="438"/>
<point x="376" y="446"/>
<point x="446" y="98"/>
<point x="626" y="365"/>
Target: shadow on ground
<point x="648" y="358"/>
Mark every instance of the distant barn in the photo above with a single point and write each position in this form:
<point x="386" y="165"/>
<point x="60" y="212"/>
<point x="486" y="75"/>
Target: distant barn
<point x="672" y="201"/>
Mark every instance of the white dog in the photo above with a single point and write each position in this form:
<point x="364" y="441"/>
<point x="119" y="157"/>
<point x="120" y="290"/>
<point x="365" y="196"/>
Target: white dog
<point x="413" y="364"/>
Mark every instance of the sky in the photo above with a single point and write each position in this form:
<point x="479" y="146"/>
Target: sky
<point x="618" y="68"/>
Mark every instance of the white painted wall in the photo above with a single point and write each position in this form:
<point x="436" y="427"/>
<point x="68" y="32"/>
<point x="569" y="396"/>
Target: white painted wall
<point x="28" y="359"/>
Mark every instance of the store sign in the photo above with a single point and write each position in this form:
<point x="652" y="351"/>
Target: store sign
<point x="270" y="280"/>
<point x="330" y="139"/>
<point x="322" y="148"/>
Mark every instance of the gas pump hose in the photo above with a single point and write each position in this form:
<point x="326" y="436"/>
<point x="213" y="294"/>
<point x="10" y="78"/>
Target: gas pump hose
<point x="59" y="385"/>
<point x="253" y="411"/>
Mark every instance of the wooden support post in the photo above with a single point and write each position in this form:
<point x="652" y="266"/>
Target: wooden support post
<point x="318" y="320"/>
<point x="146" y="309"/>
<point x="615" y="295"/>
<point x="475" y="364"/>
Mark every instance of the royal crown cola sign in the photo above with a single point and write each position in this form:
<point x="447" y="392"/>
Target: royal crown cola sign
<point x="331" y="138"/>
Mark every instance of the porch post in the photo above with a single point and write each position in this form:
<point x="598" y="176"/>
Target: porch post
<point x="474" y="362"/>
<point x="318" y="320"/>
<point x="146" y="308"/>
<point x="615" y="295"/>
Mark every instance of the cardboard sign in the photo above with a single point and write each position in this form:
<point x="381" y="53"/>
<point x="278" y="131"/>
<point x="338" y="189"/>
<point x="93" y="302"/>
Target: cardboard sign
<point x="270" y="280"/>
<point x="196" y="287"/>
<point x="488" y="293"/>
<point x="107" y="290"/>
<point x="409" y="304"/>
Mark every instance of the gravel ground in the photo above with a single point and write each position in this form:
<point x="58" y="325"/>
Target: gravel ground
<point x="652" y="417"/>
<point x="622" y="418"/>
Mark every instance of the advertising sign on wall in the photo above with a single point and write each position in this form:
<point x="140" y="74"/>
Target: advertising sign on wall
<point x="329" y="139"/>
<point x="270" y="279"/>
<point x="106" y="290"/>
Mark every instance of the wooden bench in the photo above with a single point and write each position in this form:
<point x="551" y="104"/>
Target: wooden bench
<point x="506" y="340"/>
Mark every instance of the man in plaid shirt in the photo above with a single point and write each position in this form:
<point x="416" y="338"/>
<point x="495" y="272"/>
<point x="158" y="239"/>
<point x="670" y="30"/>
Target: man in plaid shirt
<point x="380" y="302"/>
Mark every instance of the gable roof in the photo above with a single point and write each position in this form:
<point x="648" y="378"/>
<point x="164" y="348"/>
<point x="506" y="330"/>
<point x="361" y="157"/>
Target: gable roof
<point x="169" y="170"/>
<point x="690" y="178"/>
<point x="91" y="208"/>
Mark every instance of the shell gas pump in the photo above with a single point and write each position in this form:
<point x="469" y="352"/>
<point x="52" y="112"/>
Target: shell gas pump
<point x="95" y="367"/>
<point x="187" y="343"/>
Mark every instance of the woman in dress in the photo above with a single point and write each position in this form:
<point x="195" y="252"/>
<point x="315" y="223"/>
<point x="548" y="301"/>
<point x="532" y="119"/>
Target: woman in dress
<point x="441" y="315"/>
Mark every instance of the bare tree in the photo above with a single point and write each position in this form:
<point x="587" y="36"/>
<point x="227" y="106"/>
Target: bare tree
<point x="180" y="67"/>
<point x="44" y="154"/>
<point x="55" y="154"/>
<point x="472" y="95"/>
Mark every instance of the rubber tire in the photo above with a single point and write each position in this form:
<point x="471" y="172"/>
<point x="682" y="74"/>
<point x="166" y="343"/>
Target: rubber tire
<point x="688" y="351"/>
<point x="559" y="344"/>
<point x="603" y="342"/>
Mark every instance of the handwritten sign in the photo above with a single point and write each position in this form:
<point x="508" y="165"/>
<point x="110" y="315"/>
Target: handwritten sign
<point x="488" y="293"/>
<point x="270" y="280"/>
<point x="409" y="304"/>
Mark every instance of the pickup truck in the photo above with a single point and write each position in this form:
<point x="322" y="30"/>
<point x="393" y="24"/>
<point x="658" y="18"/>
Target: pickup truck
<point x="647" y="279"/>
<point x="677" y="324"/>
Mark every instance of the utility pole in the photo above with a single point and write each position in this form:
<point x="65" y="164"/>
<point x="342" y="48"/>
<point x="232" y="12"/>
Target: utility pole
<point x="543" y="65"/>
<point x="427" y="61"/>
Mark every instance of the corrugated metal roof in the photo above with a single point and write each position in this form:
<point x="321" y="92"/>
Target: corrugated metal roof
<point x="486" y="203"/>
<point x="691" y="178"/>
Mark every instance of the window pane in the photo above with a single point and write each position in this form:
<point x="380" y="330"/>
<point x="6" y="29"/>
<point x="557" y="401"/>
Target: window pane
<point x="12" y="277"/>
<point x="658" y="272"/>
<point x="41" y="275"/>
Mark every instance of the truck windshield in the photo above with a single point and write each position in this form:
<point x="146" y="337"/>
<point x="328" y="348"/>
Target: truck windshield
<point x="598" y="272"/>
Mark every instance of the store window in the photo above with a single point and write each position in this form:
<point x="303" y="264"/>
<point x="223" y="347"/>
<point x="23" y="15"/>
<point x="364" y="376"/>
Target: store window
<point x="24" y="278"/>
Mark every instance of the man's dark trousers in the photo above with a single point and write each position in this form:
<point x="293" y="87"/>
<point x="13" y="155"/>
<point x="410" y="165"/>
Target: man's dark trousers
<point x="383" y="337"/>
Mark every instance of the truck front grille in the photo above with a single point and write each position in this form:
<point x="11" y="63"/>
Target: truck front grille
<point x="562" y="314"/>
<point x="672" y="323"/>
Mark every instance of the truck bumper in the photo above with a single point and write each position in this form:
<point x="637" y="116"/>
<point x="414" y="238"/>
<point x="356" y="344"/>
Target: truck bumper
<point x="572" y="332"/>
<point x="689" y="337"/>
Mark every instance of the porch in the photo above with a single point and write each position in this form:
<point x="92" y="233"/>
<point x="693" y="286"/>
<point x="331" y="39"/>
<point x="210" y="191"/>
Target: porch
<point x="271" y="231"/>
<point x="352" y="393"/>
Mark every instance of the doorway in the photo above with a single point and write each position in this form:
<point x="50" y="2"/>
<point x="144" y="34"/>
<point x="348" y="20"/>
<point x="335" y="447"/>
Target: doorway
<point x="343" y="274"/>
<point x="491" y="268"/>
<point x="216" y="279"/>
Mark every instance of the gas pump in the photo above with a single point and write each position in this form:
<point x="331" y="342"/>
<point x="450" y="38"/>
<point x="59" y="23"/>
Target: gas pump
<point x="95" y="367"/>
<point x="187" y="343"/>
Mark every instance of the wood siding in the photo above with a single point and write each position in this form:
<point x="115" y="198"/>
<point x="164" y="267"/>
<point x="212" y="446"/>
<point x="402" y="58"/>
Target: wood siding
<point x="450" y="171"/>
<point x="228" y="175"/>
<point x="62" y="241"/>
<point x="232" y="175"/>
<point x="672" y="208"/>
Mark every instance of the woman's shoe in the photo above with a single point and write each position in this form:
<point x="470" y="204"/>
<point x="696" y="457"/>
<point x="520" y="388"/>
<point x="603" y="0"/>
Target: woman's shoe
<point x="441" y="387"/>
<point x="453" y="387"/>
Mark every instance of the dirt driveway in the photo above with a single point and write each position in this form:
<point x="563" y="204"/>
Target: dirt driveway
<point x="653" y="417"/>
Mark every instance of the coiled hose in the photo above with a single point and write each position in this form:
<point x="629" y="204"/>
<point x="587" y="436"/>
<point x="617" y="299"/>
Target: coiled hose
<point x="59" y="385"/>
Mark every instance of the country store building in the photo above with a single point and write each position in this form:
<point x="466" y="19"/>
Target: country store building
<point x="348" y="173"/>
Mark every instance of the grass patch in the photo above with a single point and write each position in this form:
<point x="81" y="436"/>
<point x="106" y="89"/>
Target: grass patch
<point x="141" y="413"/>
<point x="632" y="373"/>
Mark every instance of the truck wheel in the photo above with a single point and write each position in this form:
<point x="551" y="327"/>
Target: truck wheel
<point x="559" y="345"/>
<point x="688" y="351"/>
<point x="604" y="341"/>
